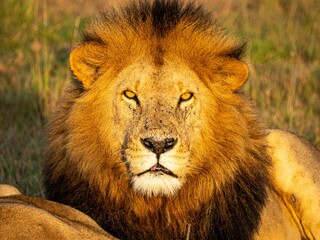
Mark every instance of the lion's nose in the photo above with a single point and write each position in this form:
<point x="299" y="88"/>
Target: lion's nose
<point x="159" y="147"/>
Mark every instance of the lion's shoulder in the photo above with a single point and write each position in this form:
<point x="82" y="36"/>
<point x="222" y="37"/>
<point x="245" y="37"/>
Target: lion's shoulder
<point x="295" y="177"/>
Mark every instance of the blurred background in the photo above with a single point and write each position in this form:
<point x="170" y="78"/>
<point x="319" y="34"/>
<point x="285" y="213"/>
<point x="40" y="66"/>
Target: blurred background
<point x="36" y="37"/>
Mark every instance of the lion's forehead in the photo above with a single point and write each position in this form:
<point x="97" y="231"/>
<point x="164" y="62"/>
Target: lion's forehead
<point x="149" y="80"/>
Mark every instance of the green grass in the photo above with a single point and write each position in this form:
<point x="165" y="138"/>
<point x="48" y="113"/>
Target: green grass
<point x="33" y="67"/>
<point x="283" y="54"/>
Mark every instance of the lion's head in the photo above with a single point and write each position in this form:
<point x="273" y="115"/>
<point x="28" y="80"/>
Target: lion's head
<point x="154" y="122"/>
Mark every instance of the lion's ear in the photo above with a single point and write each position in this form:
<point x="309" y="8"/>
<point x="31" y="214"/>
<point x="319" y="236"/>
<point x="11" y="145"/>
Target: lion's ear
<point x="85" y="62"/>
<point x="236" y="73"/>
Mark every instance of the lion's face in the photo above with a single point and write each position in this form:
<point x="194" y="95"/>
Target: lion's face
<point x="158" y="111"/>
<point x="154" y="117"/>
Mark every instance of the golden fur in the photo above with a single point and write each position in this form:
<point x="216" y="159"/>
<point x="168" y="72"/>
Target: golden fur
<point x="23" y="217"/>
<point x="296" y="179"/>
<point x="153" y="139"/>
<point x="8" y="190"/>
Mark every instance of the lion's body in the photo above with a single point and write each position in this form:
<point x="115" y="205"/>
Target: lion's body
<point x="296" y="180"/>
<point x="154" y="141"/>
<point x="23" y="217"/>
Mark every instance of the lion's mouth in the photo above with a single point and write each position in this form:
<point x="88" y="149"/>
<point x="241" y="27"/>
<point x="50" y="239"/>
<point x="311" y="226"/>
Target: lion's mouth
<point x="158" y="169"/>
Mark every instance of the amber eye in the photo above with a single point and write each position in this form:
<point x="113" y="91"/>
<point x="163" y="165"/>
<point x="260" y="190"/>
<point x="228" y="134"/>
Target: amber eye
<point x="186" y="97"/>
<point x="129" y="94"/>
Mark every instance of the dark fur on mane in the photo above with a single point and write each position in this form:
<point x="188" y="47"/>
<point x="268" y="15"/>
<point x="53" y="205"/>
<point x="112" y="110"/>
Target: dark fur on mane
<point x="242" y="202"/>
<point x="164" y="15"/>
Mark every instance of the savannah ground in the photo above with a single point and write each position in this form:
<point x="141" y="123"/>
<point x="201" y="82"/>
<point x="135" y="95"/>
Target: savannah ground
<point x="36" y="37"/>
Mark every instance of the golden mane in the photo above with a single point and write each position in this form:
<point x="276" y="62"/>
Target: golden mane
<point x="223" y="200"/>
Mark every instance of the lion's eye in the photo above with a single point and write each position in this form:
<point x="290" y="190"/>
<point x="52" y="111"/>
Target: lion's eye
<point x="129" y="94"/>
<point x="186" y="97"/>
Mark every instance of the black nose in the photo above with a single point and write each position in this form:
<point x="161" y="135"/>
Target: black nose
<point x="159" y="147"/>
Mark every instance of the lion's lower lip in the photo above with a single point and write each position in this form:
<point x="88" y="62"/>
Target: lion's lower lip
<point x="159" y="168"/>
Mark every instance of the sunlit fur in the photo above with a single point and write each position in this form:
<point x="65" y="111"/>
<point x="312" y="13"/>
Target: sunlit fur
<point x="94" y="156"/>
<point x="25" y="217"/>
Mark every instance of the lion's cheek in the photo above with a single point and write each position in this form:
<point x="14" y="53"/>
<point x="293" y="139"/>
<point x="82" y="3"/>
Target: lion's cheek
<point x="139" y="162"/>
<point x="123" y="126"/>
<point x="190" y="121"/>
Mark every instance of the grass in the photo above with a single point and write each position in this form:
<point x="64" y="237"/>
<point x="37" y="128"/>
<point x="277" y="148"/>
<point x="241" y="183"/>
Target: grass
<point x="283" y="54"/>
<point x="33" y="67"/>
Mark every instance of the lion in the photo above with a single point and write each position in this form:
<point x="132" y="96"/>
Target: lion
<point x="153" y="139"/>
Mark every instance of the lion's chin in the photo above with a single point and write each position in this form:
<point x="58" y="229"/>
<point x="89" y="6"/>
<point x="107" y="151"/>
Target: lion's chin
<point x="156" y="184"/>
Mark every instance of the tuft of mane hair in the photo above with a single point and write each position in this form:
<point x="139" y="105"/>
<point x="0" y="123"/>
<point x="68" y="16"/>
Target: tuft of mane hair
<point x="158" y="22"/>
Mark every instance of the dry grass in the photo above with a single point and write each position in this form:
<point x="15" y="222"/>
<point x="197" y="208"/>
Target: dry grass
<point x="283" y="54"/>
